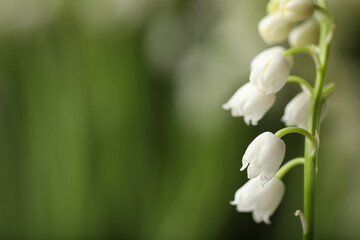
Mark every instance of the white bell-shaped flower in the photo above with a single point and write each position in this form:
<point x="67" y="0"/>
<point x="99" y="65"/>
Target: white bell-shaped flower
<point x="296" y="10"/>
<point x="274" y="29"/>
<point x="268" y="52"/>
<point x="249" y="103"/>
<point x="297" y="110"/>
<point x="262" y="201"/>
<point x="305" y="34"/>
<point x="264" y="156"/>
<point x="270" y="72"/>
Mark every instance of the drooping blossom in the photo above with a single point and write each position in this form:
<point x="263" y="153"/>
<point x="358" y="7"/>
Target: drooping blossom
<point x="297" y="111"/>
<point x="262" y="201"/>
<point x="250" y="103"/>
<point x="296" y="10"/>
<point x="273" y="28"/>
<point x="305" y="34"/>
<point x="270" y="72"/>
<point x="264" y="156"/>
<point x="268" y="52"/>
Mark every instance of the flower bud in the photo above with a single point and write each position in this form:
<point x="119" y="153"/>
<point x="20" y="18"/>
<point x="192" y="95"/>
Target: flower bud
<point x="264" y="156"/>
<point x="270" y="72"/>
<point x="273" y="28"/>
<point x="297" y="110"/>
<point x="262" y="201"/>
<point x="272" y="6"/>
<point x="250" y="103"/>
<point x="305" y="34"/>
<point x="296" y="10"/>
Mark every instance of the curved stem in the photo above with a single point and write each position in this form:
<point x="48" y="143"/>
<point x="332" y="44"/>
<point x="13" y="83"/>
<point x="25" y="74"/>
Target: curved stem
<point x="289" y="165"/>
<point x="307" y="134"/>
<point x="301" y="81"/>
<point x="310" y="49"/>
<point x="323" y="3"/>
<point x="323" y="11"/>
<point x="295" y="50"/>
<point x="328" y="90"/>
<point x="288" y="130"/>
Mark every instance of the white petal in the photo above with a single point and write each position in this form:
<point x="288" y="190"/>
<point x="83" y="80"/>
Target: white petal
<point x="226" y="106"/>
<point x="256" y="217"/>
<point x="253" y="171"/>
<point x="244" y="165"/>
<point x="266" y="219"/>
<point x="250" y="103"/>
<point x="254" y="148"/>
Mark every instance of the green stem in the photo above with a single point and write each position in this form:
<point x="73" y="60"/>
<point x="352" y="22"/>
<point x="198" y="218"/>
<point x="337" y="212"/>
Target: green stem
<point x="310" y="166"/>
<point x="328" y="90"/>
<point x="323" y="11"/>
<point x="284" y="131"/>
<point x="323" y="3"/>
<point x="287" y="166"/>
<point x="301" y="81"/>
<point x="308" y="135"/>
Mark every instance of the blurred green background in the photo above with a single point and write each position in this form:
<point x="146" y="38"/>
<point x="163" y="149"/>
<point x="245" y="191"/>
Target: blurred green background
<point x="111" y="124"/>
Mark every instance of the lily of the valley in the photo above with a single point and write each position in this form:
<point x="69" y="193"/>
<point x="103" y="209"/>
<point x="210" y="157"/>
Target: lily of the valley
<point x="272" y="6"/>
<point x="305" y="34"/>
<point x="274" y="29"/>
<point x="249" y="103"/>
<point x="296" y="10"/>
<point x="262" y="201"/>
<point x="297" y="110"/>
<point x="264" y="156"/>
<point x="270" y="71"/>
<point x="268" y="52"/>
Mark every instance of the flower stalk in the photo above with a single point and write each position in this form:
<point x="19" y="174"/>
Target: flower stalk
<point x="311" y="50"/>
<point x="300" y="81"/>
<point x="288" y="166"/>
<point x="328" y="90"/>
<point x="314" y="122"/>
<point x="284" y="131"/>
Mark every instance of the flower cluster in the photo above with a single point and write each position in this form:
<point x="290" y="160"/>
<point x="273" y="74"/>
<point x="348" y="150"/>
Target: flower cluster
<point x="280" y="23"/>
<point x="270" y="71"/>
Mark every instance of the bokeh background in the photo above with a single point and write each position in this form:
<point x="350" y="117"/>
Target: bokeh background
<point x="111" y="124"/>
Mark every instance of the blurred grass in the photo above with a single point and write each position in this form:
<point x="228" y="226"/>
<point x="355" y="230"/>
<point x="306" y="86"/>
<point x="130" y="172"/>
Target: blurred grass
<point x="90" y="150"/>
